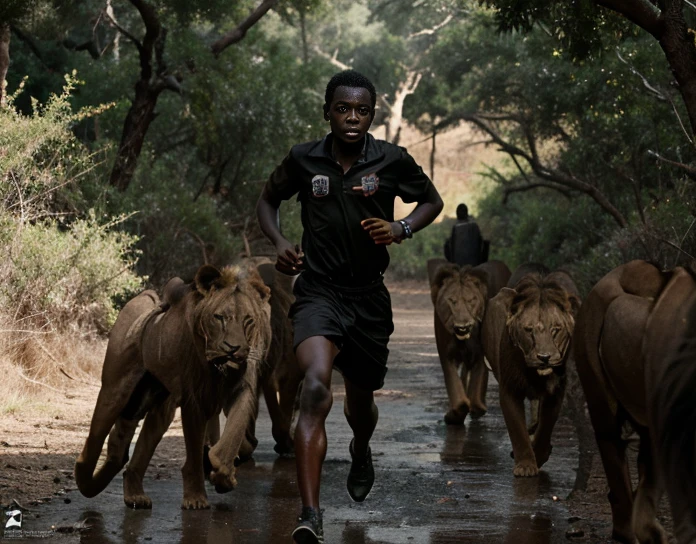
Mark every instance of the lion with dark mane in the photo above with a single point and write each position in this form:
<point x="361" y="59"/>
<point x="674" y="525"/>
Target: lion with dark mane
<point x="634" y="349"/>
<point x="199" y="347"/>
<point x="526" y="338"/>
<point x="460" y="296"/>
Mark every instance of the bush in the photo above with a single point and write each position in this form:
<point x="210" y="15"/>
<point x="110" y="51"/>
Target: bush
<point x="63" y="265"/>
<point x="62" y="277"/>
<point x="408" y="259"/>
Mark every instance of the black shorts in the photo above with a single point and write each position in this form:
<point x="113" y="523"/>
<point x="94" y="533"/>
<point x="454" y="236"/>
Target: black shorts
<point x="357" y="319"/>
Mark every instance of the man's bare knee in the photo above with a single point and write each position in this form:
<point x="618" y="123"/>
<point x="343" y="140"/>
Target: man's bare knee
<point x="316" y="398"/>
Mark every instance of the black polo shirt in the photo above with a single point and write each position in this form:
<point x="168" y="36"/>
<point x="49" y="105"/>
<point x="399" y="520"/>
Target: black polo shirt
<point x="334" y="243"/>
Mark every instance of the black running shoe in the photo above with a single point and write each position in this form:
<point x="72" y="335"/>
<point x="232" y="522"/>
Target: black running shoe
<point x="309" y="528"/>
<point x="361" y="475"/>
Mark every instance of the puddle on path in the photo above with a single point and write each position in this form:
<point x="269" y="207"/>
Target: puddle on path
<point x="435" y="484"/>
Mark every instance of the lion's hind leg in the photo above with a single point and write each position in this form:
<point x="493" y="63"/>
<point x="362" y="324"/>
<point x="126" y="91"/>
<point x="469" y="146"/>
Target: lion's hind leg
<point x="155" y="425"/>
<point x="193" y="423"/>
<point x="477" y="387"/>
<point x="648" y="493"/>
<point x="109" y="405"/>
<point x="547" y="414"/>
<point x="512" y="406"/>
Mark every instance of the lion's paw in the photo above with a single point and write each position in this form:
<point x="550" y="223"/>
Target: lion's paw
<point x="623" y="535"/>
<point x="455" y="417"/>
<point x="138" y="502"/>
<point x="651" y="532"/>
<point x="223" y="480"/>
<point x="542" y="455"/>
<point x="478" y="410"/>
<point x="284" y="447"/>
<point x="525" y="469"/>
<point x="195" y="502"/>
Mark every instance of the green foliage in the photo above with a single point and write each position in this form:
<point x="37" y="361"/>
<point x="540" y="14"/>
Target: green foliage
<point x="62" y="265"/>
<point x="541" y="227"/>
<point x="580" y="26"/>
<point x="409" y="259"/>
<point x="176" y="233"/>
<point x="58" y="278"/>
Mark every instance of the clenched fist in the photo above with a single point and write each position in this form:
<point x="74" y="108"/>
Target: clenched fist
<point x="383" y="232"/>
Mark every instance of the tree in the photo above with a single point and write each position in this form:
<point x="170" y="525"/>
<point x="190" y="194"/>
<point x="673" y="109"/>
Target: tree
<point x="566" y="126"/>
<point x="156" y="77"/>
<point x="586" y="27"/>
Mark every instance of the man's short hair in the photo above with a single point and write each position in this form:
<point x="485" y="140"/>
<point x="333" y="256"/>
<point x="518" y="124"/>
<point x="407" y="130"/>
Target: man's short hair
<point x="462" y="212"/>
<point x="349" y="78"/>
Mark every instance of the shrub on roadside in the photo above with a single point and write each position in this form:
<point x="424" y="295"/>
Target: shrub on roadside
<point x="62" y="265"/>
<point x="409" y="259"/>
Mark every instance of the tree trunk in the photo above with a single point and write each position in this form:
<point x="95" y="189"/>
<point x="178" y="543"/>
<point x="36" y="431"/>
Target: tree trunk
<point x="140" y="115"/>
<point x="4" y="59"/>
<point x="678" y="46"/>
<point x="396" y="111"/>
<point x="303" y="31"/>
<point x="432" y="156"/>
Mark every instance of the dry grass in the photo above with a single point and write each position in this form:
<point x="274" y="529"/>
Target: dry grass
<point x="459" y="159"/>
<point x="37" y="365"/>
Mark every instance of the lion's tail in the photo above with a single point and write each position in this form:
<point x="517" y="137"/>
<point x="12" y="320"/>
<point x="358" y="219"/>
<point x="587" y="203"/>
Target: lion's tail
<point x="674" y="418"/>
<point x="120" y="431"/>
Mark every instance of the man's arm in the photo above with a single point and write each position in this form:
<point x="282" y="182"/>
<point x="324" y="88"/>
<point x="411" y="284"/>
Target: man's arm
<point x="425" y="212"/>
<point x="289" y="256"/>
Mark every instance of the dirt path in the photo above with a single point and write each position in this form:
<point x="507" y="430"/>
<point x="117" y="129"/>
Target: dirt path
<point x="435" y="484"/>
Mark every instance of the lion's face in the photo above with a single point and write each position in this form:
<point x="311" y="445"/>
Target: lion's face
<point x="232" y="316"/>
<point x="460" y="301"/>
<point x="540" y="324"/>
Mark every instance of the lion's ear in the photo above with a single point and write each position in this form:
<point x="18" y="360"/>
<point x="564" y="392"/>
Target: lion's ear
<point x="443" y="272"/>
<point x="206" y="277"/>
<point x="574" y="303"/>
<point x="482" y="277"/>
<point x="505" y="297"/>
<point x="267" y="273"/>
<point x="263" y="289"/>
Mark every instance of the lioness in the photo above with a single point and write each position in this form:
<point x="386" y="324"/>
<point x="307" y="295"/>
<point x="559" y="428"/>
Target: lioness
<point x="460" y="296"/>
<point x="627" y="338"/>
<point x="201" y="343"/>
<point x="282" y="376"/>
<point x="526" y="338"/>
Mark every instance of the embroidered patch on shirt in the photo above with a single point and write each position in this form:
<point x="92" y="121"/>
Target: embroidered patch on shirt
<point x="320" y="185"/>
<point x="370" y="183"/>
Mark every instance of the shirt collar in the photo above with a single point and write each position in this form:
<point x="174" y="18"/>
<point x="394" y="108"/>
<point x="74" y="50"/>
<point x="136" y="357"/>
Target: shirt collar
<point x="324" y="149"/>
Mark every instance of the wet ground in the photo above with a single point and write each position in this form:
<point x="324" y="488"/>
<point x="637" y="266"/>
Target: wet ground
<point x="435" y="484"/>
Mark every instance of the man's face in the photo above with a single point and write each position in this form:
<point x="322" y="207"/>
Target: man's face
<point x="350" y="113"/>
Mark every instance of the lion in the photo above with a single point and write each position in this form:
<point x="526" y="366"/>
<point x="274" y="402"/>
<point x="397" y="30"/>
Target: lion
<point x="627" y="349"/>
<point x="281" y="377"/>
<point x="526" y="337"/>
<point x="198" y="346"/>
<point x="460" y="296"/>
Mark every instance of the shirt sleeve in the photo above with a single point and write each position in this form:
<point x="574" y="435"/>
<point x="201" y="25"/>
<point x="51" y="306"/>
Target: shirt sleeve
<point x="283" y="183"/>
<point x="413" y="184"/>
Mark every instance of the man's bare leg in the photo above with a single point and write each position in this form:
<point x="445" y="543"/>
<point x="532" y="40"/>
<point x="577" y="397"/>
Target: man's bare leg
<point x="315" y="356"/>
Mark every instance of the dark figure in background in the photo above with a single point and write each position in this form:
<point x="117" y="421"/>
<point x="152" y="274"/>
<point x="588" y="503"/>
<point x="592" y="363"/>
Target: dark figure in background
<point x="342" y="317"/>
<point x="466" y="245"/>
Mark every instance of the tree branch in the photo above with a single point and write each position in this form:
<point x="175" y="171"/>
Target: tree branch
<point x="656" y="92"/>
<point x="331" y="58"/>
<point x="546" y="173"/>
<point x="641" y="12"/>
<point x="690" y="170"/>
<point x="31" y="44"/>
<point x="431" y="31"/>
<point x="237" y="34"/>
<point x="507" y="191"/>
<point x="152" y="33"/>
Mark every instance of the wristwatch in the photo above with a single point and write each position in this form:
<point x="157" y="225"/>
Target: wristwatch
<point x="408" y="233"/>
